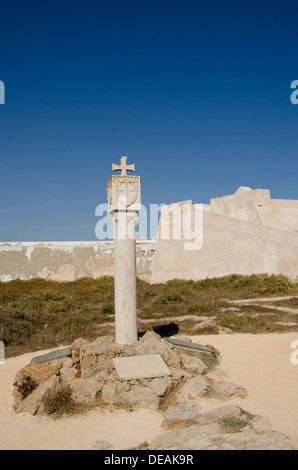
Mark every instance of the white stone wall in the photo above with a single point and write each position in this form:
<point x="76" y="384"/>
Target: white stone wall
<point x="257" y="206"/>
<point x="246" y="233"/>
<point x="67" y="261"/>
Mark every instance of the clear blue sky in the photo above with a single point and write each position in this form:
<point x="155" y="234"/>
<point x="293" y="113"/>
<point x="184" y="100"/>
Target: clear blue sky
<point x="185" y="89"/>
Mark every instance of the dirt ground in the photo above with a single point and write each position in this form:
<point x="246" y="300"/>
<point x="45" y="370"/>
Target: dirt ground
<point x="261" y="363"/>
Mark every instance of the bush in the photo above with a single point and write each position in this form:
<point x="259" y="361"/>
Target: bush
<point x="108" y="309"/>
<point x="15" y="327"/>
<point x="236" y="321"/>
<point x="59" y="403"/>
<point x="173" y="298"/>
<point x="254" y="284"/>
<point x="42" y="302"/>
<point x="198" y="307"/>
<point x="275" y="284"/>
<point x="232" y="425"/>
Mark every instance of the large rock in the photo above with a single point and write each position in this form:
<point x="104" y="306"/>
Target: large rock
<point x="217" y="414"/>
<point x="102" y="445"/>
<point x="76" y="348"/>
<point x="270" y="441"/>
<point x="205" y="325"/>
<point x="109" y="393"/>
<point x="261" y="425"/>
<point x="159" y="385"/>
<point x="185" y="438"/>
<point x="35" y="402"/>
<point x="195" y="387"/>
<point x="88" y="389"/>
<point x="135" y="395"/>
<point x="228" y="389"/>
<point x="151" y="343"/>
<point x="99" y="355"/>
<point x="249" y="440"/>
<point x="184" y="412"/>
<point x="192" y="364"/>
<point x="216" y="375"/>
<point x="28" y="378"/>
<point x="140" y="397"/>
<point x="68" y="372"/>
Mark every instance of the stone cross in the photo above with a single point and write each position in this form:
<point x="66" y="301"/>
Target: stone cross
<point x="124" y="200"/>
<point x="123" y="167"/>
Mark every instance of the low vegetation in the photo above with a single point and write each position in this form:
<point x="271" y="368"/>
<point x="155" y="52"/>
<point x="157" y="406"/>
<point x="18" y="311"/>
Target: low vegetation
<point x="39" y="314"/>
<point x="232" y="425"/>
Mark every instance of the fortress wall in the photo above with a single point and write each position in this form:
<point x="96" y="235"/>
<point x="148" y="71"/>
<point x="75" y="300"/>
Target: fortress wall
<point x="230" y="246"/>
<point x="67" y="261"/>
<point x="256" y="206"/>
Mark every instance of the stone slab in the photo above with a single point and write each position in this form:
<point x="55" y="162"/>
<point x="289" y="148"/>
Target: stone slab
<point x="141" y="367"/>
<point x="186" y="344"/>
<point x="51" y="356"/>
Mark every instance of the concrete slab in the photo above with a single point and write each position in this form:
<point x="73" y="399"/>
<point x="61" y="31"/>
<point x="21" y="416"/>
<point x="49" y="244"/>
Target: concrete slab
<point x="51" y="356"/>
<point x="141" y="367"/>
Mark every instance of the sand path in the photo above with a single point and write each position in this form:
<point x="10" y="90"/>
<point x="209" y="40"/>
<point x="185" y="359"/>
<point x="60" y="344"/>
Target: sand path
<point x="262" y="364"/>
<point x="23" y="431"/>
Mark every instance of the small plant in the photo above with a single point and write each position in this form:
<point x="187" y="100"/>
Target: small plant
<point x="210" y="360"/>
<point x="198" y="307"/>
<point x="236" y="320"/>
<point x="248" y="415"/>
<point x="173" y="298"/>
<point x="143" y="446"/>
<point x="15" y="327"/>
<point x="108" y="309"/>
<point x="232" y="425"/>
<point x="59" y="402"/>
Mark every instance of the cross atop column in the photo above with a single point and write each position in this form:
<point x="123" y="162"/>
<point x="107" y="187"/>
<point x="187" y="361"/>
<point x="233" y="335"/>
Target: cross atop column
<point x="123" y="167"/>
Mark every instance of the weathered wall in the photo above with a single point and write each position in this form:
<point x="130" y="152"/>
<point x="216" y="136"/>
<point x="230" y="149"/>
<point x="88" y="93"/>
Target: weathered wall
<point x="256" y="206"/>
<point x="67" y="261"/>
<point x="244" y="233"/>
<point x="243" y="245"/>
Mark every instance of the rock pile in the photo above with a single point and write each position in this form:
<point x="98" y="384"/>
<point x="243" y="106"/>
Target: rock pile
<point x="89" y="378"/>
<point x="223" y="428"/>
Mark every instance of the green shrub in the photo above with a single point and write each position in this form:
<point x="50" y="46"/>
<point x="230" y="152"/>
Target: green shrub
<point x="275" y="284"/>
<point x="255" y="284"/>
<point x="198" y="307"/>
<point x="236" y="320"/>
<point x="42" y="302"/>
<point x="15" y="327"/>
<point x="232" y="425"/>
<point x="173" y="298"/>
<point x="108" y="309"/>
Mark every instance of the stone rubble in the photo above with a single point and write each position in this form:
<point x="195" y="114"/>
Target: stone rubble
<point x="90" y="377"/>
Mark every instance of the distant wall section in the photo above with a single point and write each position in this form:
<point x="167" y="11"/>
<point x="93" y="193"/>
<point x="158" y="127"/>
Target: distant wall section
<point x="67" y="261"/>
<point x="230" y="246"/>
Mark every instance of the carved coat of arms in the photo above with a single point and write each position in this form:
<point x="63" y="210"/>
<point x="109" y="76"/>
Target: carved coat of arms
<point x="124" y="190"/>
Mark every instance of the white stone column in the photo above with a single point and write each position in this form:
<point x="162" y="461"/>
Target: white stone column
<point x="124" y="198"/>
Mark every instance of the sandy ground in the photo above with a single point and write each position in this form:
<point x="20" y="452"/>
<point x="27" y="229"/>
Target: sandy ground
<point x="261" y="363"/>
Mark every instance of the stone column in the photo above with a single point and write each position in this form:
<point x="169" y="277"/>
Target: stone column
<point x="124" y="198"/>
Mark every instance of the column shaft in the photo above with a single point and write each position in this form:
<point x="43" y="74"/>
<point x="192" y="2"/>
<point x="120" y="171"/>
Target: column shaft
<point x="125" y="280"/>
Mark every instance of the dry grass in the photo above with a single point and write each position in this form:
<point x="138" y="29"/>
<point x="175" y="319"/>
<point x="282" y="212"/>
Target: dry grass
<point x="40" y="314"/>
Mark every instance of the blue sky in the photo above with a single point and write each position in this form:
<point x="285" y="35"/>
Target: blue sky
<point x="185" y="89"/>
